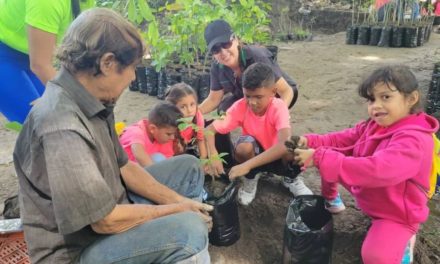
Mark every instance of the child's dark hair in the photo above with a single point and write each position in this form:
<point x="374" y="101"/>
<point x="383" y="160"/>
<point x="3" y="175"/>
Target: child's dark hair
<point x="164" y="114"/>
<point x="399" y="76"/>
<point x="178" y="91"/>
<point x="258" y="75"/>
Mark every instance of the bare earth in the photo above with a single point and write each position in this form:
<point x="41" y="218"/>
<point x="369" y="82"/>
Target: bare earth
<point x="328" y="72"/>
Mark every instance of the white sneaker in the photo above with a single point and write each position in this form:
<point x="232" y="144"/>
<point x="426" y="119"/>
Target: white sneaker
<point x="296" y="186"/>
<point x="247" y="192"/>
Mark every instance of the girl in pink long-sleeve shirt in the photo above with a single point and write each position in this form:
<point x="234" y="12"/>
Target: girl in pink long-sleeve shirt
<point x="384" y="162"/>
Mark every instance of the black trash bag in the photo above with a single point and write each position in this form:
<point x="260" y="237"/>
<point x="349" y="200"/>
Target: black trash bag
<point x="163" y="84"/>
<point x="421" y="36"/>
<point x="12" y="208"/>
<point x="375" y="35"/>
<point x="364" y="35"/>
<point x="352" y="35"/>
<point x="385" y="37"/>
<point x="152" y="81"/>
<point x="308" y="233"/>
<point x="204" y="83"/>
<point x="410" y="37"/>
<point x="397" y="37"/>
<point x="226" y="224"/>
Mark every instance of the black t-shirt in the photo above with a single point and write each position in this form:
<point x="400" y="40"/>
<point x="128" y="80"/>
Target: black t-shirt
<point x="222" y="77"/>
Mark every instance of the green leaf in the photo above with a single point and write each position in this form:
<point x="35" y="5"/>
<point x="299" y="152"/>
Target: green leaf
<point x="145" y="10"/>
<point x="14" y="126"/>
<point x="182" y="126"/>
<point x="132" y="11"/>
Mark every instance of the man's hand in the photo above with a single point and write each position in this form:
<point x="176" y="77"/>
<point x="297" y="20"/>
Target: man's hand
<point x="200" y="208"/>
<point x="304" y="157"/>
<point x="238" y="170"/>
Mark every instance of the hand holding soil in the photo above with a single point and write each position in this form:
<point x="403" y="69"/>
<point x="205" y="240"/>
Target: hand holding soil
<point x="304" y="157"/>
<point x="295" y="142"/>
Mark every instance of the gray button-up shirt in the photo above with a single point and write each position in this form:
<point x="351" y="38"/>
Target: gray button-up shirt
<point x="68" y="159"/>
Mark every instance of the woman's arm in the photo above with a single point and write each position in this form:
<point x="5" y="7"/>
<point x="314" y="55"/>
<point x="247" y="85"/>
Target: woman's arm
<point x="41" y="49"/>
<point x="284" y="91"/>
<point x="211" y="102"/>
<point x="140" y="155"/>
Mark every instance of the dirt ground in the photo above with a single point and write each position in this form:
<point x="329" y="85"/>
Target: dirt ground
<point x="328" y="72"/>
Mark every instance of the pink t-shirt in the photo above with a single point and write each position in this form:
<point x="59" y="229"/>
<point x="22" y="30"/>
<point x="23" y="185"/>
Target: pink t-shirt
<point x="188" y="133"/>
<point x="263" y="128"/>
<point x="137" y="134"/>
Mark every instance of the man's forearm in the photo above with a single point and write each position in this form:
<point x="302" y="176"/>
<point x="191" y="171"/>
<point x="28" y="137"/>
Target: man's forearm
<point x="126" y="216"/>
<point x="142" y="183"/>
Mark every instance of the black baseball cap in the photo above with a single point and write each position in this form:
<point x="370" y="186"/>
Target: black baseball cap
<point x="218" y="31"/>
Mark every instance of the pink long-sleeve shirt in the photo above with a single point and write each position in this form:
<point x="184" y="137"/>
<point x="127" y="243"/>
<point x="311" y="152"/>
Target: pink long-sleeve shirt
<point x="387" y="169"/>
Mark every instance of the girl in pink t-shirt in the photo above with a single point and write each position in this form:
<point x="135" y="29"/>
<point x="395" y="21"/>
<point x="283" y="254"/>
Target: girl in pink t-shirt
<point x="191" y="129"/>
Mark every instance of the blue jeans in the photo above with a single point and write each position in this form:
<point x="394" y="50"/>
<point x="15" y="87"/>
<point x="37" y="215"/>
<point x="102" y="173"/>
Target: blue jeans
<point x="19" y="86"/>
<point x="178" y="238"/>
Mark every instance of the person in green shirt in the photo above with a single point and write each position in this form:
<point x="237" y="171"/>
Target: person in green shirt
<point x="29" y="33"/>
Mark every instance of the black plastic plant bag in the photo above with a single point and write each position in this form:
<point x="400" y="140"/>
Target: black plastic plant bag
<point x="375" y="35"/>
<point x="352" y="35"/>
<point x="397" y="37"/>
<point x="133" y="86"/>
<point x="163" y="84"/>
<point x="410" y="37"/>
<point x="204" y="83"/>
<point x="364" y="35"/>
<point x="308" y="232"/>
<point x="152" y="81"/>
<point x="173" y="77"/>
<point x="421" y="36"/>
<point x="226" y="225"/>
<point x="428" y="33"/>
<point x="141" y="79"/>
<point x="385" y="37"/>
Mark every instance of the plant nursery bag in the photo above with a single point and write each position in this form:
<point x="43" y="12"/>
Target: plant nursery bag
<point x="308" y="231"/>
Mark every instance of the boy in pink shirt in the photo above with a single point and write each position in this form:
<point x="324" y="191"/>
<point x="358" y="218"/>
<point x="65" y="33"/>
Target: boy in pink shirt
<point x="152" y="140"/>
<point x="265" y="123"/>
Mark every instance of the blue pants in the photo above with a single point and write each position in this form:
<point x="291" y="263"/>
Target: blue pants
<point x="19" y="86"/>
<point x="178" y="238"/>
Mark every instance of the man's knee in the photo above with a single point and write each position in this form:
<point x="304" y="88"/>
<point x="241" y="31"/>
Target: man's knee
<point x="191" y="232"/>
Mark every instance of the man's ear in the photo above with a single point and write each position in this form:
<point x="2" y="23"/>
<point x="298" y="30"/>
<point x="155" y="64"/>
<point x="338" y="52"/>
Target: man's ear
<point x="107" y="62"/>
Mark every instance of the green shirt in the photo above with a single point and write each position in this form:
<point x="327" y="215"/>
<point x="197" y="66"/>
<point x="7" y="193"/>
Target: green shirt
<point x="47" y="15"/>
